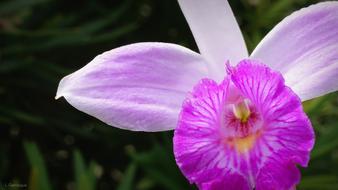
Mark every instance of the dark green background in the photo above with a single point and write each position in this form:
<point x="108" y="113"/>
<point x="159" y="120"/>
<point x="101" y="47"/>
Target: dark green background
<point x="47" y="144"/>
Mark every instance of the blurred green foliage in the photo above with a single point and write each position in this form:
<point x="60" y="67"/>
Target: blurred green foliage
<point x="47" y="144"/>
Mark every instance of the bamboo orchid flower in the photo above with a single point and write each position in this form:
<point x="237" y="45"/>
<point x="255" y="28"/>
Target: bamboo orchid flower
<point x="238" y="117"/>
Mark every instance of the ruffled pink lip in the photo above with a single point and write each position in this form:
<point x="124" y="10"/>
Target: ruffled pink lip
<point x="250" y="127"/>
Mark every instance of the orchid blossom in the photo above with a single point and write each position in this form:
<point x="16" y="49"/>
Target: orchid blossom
<point x="238" y="117"/>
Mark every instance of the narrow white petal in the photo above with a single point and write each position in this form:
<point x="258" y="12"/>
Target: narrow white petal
<point x="216" y="32"/>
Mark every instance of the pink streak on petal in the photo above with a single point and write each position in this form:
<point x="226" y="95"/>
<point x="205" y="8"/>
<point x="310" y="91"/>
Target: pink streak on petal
<point x="304" y="48"/>
<point x="278" y="175"/>
<point x="197" y="139"/>
<point x="216" y="32"/>
<point x="138" y="87"/>
<point x="225" y="181"/>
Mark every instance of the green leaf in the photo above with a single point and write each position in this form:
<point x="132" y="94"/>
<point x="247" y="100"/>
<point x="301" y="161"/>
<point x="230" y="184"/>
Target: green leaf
<point x="159" y="163"/>
<point x="21" y="116"/>
<point x="39" y="179"/>
<point x="279" y="8"/>
<point x="315" y="106"/>
<point x="128" y="178"/>
<point x="322" y="182"/>
<point x="16" y="5"/>
<point x="97" y="25"/>
<point x="326" y="142"/>
<point x="84" y="178"/>
<point x="70" y="40"/>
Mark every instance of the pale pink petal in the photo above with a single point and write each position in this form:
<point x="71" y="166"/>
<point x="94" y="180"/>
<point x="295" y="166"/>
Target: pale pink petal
<point x="304" y="48"/>
<point x="216" y="33"/>
<point x="137" y="87"/>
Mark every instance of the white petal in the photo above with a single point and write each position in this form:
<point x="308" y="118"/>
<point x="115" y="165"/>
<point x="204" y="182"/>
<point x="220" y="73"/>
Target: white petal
<point x="304" y="48"/>
<point x="216" y="32"/>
